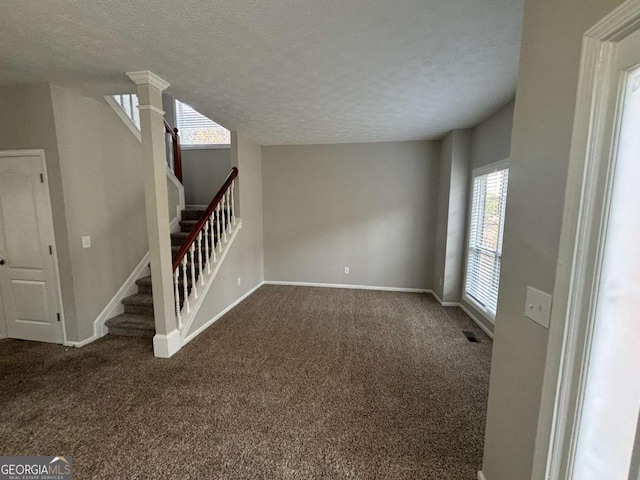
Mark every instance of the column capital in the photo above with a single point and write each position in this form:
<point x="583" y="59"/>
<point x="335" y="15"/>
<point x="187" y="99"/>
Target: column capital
<point x="143" y="77"/>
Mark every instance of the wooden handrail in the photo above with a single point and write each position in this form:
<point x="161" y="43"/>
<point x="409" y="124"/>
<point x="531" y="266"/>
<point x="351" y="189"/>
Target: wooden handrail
<point x="200" y="225"/>
<point x="177" y="151"/>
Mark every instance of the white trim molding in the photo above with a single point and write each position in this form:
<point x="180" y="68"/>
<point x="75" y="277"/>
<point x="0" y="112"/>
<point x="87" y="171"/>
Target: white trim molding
<point x="115" y="307"/>
<point x="351" y="287"/>
<point x="202" y="328"/>
<point x="39" y="152"/>
<point x="165" y="346"/>
<point x="142" y="77"/>
<point x="461" y="306"/>
<point x="124" y="117"/>
<point x="583" y="227"/>
<point x="475" y="319"/>
<point x="481" y="475"/>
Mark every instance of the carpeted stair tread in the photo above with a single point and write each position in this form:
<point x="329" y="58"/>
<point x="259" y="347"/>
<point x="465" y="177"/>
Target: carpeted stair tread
<point x="132" y="325"/>
<point x="132" y="320"/>
<point x="138" y="299"/>
<point x="192" y="213"/>
<point x="144" y="281"/>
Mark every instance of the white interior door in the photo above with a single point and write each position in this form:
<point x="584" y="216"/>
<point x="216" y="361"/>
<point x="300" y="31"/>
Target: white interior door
<point x="28" y="277"/>
<point x="611" y="395"/>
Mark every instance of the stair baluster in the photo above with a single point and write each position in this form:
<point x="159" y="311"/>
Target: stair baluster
<point x="185" y="286"/>
<point x="194" y="285"/>
<point x="200" y="275"/>
<point x="219" y="222"/>
<point x="207" y="259"/>
<point x="213" y="236"/>
<point x="233" y="203"/>
<point x="224" y="217"/>
<point x="176" y="286"/>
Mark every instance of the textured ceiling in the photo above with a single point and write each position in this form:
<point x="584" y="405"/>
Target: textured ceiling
<point x="282" y="71"/>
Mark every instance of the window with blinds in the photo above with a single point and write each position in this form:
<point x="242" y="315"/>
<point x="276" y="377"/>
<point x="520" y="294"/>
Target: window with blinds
<point x="196" y="129"/>
<point x="488" y="205"/>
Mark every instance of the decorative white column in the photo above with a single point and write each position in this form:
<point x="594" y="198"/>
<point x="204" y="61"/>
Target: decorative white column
<point x="166" y="341"/>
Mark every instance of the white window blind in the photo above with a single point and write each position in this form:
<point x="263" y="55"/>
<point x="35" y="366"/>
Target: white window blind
<point x="196" y="129"/>
<point x="485" y="239"/>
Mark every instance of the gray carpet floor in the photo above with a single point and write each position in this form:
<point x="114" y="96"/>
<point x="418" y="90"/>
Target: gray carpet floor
<point x="294" y="383"/>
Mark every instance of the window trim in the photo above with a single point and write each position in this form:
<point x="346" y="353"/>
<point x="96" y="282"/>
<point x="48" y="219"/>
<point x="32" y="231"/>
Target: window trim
<point x="478" y="172"/>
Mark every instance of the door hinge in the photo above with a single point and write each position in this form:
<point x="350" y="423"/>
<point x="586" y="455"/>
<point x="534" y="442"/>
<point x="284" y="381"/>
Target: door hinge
<point x="50" y="250"/>
<point x="58" y="315"/>
<point x="41" y="178"/>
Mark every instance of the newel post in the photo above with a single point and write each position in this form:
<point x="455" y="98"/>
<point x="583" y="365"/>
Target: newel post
<point x="166" y="341"/>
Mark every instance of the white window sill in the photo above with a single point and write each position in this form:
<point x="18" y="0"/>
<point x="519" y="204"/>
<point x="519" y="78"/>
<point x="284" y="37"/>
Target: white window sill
<point x="204" y="147"/>
<point x="479" y="308"/>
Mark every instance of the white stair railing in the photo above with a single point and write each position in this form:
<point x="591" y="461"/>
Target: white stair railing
<point x="197" y="258"/>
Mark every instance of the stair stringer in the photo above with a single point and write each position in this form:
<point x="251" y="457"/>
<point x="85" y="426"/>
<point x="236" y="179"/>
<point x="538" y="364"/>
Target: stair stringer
<point x="208" y="278"/>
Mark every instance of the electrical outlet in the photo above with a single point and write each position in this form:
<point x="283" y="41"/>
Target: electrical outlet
<point x="346" y="270"/>
<point x="86" y="242"/>
<point x="239" y="281"/>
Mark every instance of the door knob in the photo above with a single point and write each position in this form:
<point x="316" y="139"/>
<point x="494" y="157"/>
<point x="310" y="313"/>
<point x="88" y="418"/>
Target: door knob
<point x="1" y="261"/>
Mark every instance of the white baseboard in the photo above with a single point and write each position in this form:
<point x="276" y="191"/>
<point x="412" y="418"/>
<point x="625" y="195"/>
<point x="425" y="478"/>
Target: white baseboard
<point x="197" y="332"/>
<point x="481" y="475"/>
<point x="351" y="287"/>
<point x="82" y="343"/>
<point x="466" y="311"/>
<point x="165" y="346"/>
<point x="115" y="307"/>
<point x="444" y="304"/>
<point x="476" y="320"/>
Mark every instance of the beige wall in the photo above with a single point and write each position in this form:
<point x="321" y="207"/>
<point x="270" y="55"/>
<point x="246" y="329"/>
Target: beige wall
<point x="245" y="259"/>
<point x="204" y="171"/>
<point x="26" y="117"/>
<point x="452" y="215"/>
<point x="101" y="170"/>
<point x="369" y="207"/>
<point x="543" y="122"/>
<point x="491" y="139"/>
<point x="442" y="215"/>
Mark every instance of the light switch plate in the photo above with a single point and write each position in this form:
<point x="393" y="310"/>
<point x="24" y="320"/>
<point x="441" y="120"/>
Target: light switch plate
<point x="86" y="242"/>
<point x="538" y="306"/>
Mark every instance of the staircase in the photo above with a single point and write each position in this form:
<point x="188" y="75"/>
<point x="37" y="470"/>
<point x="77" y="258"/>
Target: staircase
<point x="137" y="319"/>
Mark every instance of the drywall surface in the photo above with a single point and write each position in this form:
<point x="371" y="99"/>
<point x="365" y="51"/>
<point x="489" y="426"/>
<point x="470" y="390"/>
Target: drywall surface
<point x="101" y="170"/>
<point x="452" y="215"/>
<point x="542" y="128"/>
<point x="203" y="173"/>
<point x="245" y="259"/>
<point x="491" y="139"/>
<point x="457" y="218"/>
<point x="442" y="215"/>
<point x="370" y="207"/>
<point x="26" y="116"/>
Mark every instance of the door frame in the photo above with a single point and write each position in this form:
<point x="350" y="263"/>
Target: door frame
<point x="584" y="223"/>
<point x="58" y="287"/>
